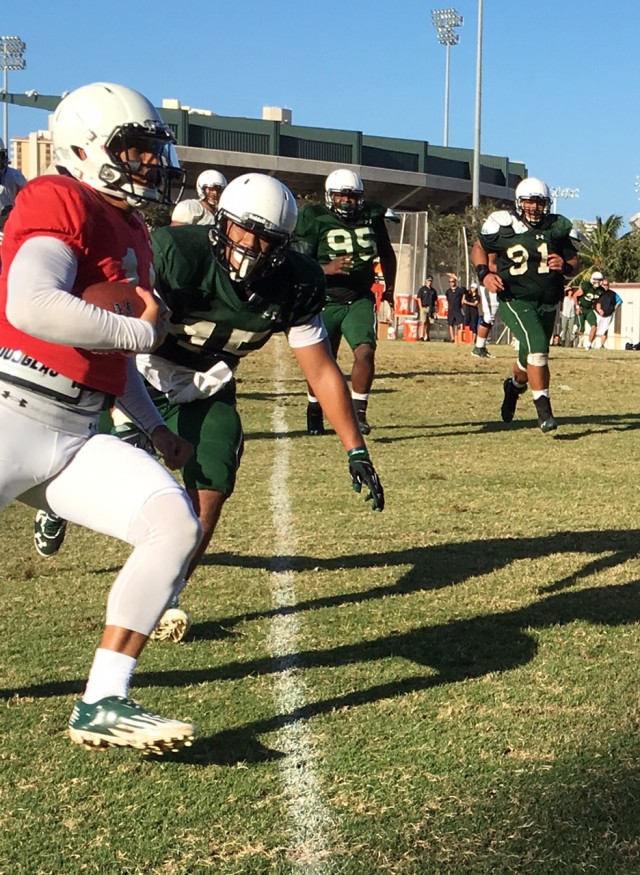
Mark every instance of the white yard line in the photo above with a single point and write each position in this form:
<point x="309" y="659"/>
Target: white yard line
<point x="311" y="821"/>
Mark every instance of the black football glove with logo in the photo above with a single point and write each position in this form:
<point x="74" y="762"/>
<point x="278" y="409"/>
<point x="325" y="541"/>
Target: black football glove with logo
<point x="364" y="474"/>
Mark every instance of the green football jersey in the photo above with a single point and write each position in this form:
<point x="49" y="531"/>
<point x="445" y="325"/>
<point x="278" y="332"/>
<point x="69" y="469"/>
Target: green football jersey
<point x="522" y="254"/>
<point x="325" y="236"/>
<point x="214" y="319"/>
<point x="589" y="296"/>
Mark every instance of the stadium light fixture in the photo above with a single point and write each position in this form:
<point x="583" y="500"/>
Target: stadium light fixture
<point x="444" y="21"/>
<point x="562" y="194"/>
<point x="11" y="58"/>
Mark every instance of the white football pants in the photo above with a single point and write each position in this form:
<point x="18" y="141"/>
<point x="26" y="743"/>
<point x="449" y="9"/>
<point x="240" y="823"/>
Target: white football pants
<point x="113" y="488"/>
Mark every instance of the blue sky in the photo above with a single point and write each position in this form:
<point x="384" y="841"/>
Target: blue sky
<point x="560" y="79"/>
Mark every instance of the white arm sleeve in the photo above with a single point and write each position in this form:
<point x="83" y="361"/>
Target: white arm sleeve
<point x="40" y="279"/>
<point x="307" y="335"/>
<point x="136" y="403"/>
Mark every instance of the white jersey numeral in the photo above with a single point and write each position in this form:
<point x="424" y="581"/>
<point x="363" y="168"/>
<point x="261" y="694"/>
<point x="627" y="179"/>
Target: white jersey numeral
<point x="340" y="242"/>
<point x="520" y="257"/>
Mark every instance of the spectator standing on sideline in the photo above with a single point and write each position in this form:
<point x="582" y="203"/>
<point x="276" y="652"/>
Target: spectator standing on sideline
<point x="455" y="317"/>
<point x="11" y="182"/>
<point x="113" y="153"/>
<point x="200" y="211"/>
<point x="345" y="234"/>
<point x="470" y="303"/>
<point x="534" y="251"/>
<point x="568" y="317"/>
<point x="428" y="298"/>
<point x="605" y="308"/>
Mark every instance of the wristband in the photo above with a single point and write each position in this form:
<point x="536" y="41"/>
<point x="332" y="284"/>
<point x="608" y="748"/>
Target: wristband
<point x="481" y="271"/>
<point x="356" y="451"/>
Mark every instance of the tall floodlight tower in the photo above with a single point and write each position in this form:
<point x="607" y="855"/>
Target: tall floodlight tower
<point x="11" y="58"/>
<point x="444" y="21"/>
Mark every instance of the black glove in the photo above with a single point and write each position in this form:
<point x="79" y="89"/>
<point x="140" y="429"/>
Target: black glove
<point x="362" y="472"/>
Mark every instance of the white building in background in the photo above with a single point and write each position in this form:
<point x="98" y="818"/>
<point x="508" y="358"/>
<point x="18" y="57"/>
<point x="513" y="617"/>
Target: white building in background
<point x="32" y="154"/>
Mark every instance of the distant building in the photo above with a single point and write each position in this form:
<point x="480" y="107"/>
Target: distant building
<point x="32" y="154"/>
<point x="277" y="114"/>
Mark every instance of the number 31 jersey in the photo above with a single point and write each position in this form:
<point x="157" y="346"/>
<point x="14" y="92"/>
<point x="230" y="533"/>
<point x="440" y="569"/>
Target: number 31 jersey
<point x="522" y="254"/>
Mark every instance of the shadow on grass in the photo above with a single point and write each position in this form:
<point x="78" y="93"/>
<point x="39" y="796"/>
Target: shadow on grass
<point x="583" y="426"/>
<point x="453" y="652"/>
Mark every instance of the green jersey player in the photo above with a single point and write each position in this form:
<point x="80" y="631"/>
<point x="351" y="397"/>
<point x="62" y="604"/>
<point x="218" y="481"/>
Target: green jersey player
<point x="586" y="296"/>
<point x="346" y="235"/>
<point x="523" y="255"/>
<point x="230" y="288"/>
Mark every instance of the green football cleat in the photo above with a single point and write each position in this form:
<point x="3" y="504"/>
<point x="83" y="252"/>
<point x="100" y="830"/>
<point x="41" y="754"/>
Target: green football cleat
<point x="481" y="352"/>
<point x="48" y="533"/>
<point x="119" y="722"/>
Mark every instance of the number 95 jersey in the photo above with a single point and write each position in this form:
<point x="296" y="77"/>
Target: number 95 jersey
<point x="522" y="252"/>
<point x="324" y="236"/>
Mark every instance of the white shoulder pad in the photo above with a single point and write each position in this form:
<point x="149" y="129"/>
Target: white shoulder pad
<point x="497" y="220"/>
<point x="191" y="212"/>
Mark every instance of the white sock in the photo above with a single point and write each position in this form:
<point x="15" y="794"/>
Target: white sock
<point x="311" y="399"/>
<point x="540" y="393"/>
<point x="480" y="342"/>
<point x="359" y="396"/>
<point x="110" y="675"/>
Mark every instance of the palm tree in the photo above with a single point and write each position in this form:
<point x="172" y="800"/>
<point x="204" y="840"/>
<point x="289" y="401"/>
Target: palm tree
<point x="599" y="246"/>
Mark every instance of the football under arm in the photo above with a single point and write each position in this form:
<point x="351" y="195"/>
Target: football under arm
<point x="40" y="303"/>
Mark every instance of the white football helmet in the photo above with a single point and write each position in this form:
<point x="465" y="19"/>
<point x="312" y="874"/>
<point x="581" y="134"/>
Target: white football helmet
<point x="537" y="193"/>
<point x="267" y="209"/>
<point x="344" y="182"/>
<point x="210" y="179"/>
<point x="596" y="277"/>
<point x="94" y="128"/>
<point x="576" y="237"/>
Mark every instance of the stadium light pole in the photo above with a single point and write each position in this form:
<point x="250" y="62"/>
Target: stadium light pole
<point x="475" y="182"/>
<point x="11" y="58"/>
<point x="562" y="194"/>
<point x="444" y="21"/>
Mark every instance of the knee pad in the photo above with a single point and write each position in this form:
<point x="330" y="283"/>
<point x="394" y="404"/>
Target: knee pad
<point x="538" y="359"/>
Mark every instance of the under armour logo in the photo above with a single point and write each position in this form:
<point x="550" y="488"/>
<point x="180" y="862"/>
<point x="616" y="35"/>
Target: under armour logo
<point x="21" y="401"/>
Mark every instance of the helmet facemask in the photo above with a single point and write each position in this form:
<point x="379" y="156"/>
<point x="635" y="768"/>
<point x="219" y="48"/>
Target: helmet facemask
<point x="142" y="165"/>
<point x="211" y="194"/>
<point x="347" y="209"/>
<point x="533" y="210"/>
<point x="247" y="263"/>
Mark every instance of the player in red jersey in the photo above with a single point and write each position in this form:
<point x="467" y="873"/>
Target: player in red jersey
<point x="63" y="360"/>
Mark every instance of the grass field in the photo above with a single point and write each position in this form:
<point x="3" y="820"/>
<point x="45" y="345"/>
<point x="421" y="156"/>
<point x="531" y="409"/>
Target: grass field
<point x="448" y="687"/>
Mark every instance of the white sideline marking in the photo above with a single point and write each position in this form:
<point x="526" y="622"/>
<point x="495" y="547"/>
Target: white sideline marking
<point x="312" y="824"/>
